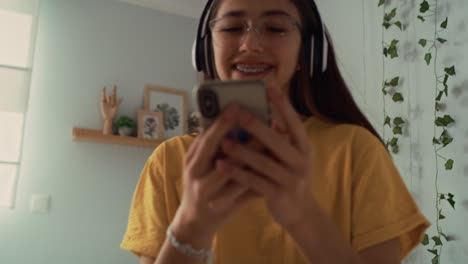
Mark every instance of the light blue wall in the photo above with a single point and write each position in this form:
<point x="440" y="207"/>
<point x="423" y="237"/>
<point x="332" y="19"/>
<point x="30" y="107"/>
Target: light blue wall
<point x="82" y="46"/>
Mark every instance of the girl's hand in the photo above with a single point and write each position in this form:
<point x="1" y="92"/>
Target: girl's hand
<point x="209" y="197"/>
<point x="282" y="177"/>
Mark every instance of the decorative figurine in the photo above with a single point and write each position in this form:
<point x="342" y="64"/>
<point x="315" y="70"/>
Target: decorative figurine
<point x="109" y="107"/>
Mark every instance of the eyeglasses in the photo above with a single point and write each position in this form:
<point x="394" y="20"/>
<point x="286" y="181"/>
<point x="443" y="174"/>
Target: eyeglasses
<point x="272" y="30"/>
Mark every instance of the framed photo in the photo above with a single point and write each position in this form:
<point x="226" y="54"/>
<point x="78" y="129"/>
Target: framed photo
<point x="150" y="125"/>
<point x="173" y="104"/>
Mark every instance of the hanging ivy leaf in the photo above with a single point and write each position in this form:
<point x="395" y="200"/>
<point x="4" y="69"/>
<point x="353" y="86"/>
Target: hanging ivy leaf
<point x="398" y="121"/>
<point x="447" y="140"/>
<point x="392" y="49"/>
<point x="394" y="82"/>
<point x="437" y="241"/>
<point x="441" y="216"/>
<point x="424" y="7"/>
<point x="388" y="17"/>
<point x="451" y="71"/>
<point x="441" y="40"/>
<point x="393" y="52"/>
<point x="442" y="196"/>
<point x="387" y="121"/>
<point x="444" y="121"/>
<point x="397" y="130"/>
<point x="451" y="201"/>
<point x="435" y="260"/>
<point x="448" y="120"/>
<point x="422" y="42"/>
<point x="435" y="141"/>
<point x="386" y="25"/>
<point x="439" y="96"/>
<point x="433" y="251"/>
<point x="399" y="25"/>
<point x="425" y="240"/>
<point x="421" y="18"/>
<point x="449" y="164"/>
<point x="393" y="143"/>
<point x="381" y="2"/>
<point x="385" y="52"/>
<point x="444" y="24"/>
<point x="428" y="58"/>
<point x="397" y="97"/>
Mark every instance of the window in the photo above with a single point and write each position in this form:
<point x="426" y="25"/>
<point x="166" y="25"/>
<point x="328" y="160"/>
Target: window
<point x="17" y="31"/>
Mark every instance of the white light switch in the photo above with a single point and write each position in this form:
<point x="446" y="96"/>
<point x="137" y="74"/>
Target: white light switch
<point x="40" y="203"/>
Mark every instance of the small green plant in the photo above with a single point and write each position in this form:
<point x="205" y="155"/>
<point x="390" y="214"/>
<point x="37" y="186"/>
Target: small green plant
<point x="124" y="121"/>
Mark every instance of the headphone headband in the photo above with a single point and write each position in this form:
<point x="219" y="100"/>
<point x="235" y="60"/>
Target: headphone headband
<point x="201" y="57"/>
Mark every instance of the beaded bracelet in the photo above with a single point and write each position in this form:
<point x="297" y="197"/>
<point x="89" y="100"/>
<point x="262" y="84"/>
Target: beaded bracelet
<point x="201" y="254"/>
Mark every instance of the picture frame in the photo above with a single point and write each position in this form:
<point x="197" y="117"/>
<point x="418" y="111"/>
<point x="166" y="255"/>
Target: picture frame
<point x="150" y="125"/>
<point x="173" y="104"/>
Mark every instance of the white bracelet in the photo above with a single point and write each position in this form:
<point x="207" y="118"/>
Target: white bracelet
<point x="201" y="254"/>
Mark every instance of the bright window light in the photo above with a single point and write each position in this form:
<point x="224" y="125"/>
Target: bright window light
<point x="10" y="136"/>
<point x="7" y="184"/>
<point x="14" y="88"/>
<point x="15" y="38"/>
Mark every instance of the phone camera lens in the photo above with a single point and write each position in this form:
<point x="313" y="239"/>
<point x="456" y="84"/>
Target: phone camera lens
<point x="208" y="101"/>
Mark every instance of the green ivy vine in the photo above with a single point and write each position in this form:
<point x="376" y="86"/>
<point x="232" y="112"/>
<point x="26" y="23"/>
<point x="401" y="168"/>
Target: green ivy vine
<point x="390" y="85"/>
<point x="442" y="138"/>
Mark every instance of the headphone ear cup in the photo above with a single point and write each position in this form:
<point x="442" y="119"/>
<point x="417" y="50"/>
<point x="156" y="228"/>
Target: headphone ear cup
<point x="318" y="55"/>
<point x="199" y="45"/>
<point x="198" y="54"/>
<point x="324" y="53"/>
<point x="195" y="63"/>
<point x="312" y="57"/>
<point x="207" y="56"/>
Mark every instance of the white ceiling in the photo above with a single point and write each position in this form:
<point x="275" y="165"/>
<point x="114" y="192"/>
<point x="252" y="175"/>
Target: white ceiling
<point x="186" y="8"/>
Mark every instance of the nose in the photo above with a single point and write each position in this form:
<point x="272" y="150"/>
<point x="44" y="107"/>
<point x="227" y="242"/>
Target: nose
<point x="251" y="41"/>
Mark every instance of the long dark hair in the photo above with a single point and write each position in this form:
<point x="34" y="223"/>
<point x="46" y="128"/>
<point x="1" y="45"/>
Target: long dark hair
<point x="326" y="93"/>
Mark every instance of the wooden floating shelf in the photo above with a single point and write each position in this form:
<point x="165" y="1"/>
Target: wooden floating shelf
<point x="93" y="135"/>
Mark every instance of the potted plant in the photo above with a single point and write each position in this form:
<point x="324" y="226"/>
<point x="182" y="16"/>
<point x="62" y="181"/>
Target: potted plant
<point x="124" y="125"/>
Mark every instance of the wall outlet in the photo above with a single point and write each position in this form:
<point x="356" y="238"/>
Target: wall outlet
<point x="40" y="203"/>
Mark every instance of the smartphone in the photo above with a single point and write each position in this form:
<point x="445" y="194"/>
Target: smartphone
<point x="213" y="97"/>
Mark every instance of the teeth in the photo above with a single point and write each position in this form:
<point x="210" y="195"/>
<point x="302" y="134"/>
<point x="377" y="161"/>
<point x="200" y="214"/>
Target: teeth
<point x="252" y="68"/>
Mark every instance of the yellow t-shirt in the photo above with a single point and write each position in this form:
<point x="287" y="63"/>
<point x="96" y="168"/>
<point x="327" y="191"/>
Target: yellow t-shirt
<point x="354" y="181"/>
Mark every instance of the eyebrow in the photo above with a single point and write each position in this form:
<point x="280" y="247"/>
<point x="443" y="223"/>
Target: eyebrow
<point x="242" y="13"/>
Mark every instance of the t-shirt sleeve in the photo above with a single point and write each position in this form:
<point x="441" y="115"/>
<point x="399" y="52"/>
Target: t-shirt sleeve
<point x="148" y="221"/>
<point x="382" y="207"/>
